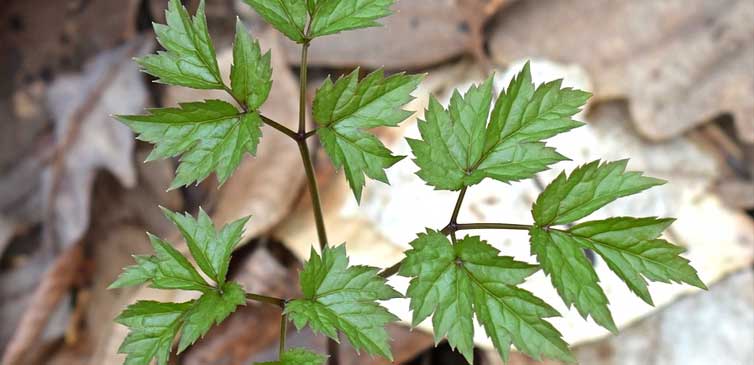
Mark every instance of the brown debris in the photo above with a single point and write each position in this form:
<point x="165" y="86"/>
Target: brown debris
<point x="54" y="287"/>
<point x="680" y="63"/>
<point x="439" y="31"/>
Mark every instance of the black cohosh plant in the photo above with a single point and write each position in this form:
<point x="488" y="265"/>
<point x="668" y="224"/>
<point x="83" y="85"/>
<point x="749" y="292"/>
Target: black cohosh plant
<point x="453" y="278"/>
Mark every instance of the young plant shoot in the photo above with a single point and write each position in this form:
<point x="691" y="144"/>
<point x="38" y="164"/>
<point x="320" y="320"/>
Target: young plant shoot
<point x="453" y="278"/>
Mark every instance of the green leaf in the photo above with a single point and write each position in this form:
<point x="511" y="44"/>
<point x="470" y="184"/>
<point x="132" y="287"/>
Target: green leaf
<point x="459" y="148"/>
<point x="143" y="271"/>
<point x="210" y="249"/>
<point x="344" y="109"/>
<point x="174" y="271"/>
<point x="211" y="308"/>
<point x="333" y="16"/>
<point x="588" y="188"/>
<point x="189" y="59"/>
<point x="251" y="71"/>
<point x="297" y="356"/>
<point x="152" y="326"/>
<point x="457" y="281"/>
<point x="287" y="16"/>
<point x="563" y="259"/>
<point x="169" y="269"/>
<point x="211" y="135"/>
<point x="342" y="298"/>
<point x="632" y="249"/>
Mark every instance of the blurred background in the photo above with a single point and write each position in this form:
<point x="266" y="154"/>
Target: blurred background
<point x="673" y="84"/>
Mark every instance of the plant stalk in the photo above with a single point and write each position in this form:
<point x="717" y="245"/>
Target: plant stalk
<point x="457" y="208"/>
<point x="280" y="302"/>
<point x="311" y="179"/>
<point x="283" y="332"/>
<point x="302" y="88"/>
<point x="462" y="227"/>
<point x="285" y="130"/>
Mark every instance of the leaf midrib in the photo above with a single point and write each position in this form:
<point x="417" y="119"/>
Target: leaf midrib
<point x="515" y="313"/>
<point x="624" y="251"/>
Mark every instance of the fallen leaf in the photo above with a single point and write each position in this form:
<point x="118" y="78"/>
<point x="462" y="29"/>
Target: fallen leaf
<point x="440" y="30"/>
<point x="719" y="332"/>
<point x="53" y="187"/>
<point x="88" y="139"/>
<point x="680" y="63"/>
<point x="54" y="286"/>
<point x="49" y="37"/>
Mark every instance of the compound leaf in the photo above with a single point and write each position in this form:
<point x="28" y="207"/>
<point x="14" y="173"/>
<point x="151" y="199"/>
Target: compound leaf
<point x="344" y="109"/>
<point x="250" y="73"/>
<point x="211" y="308"/>
<point x="211" y="135"/>
<point x="563" y="259"/>
<point x="152" y="325"/>
<point x="632" y="250"/>
<point x="210" y="249"/>
<point x="588" y="188"/>
<point x="338" y="297"/>
<point x="189" y="59"/>
<point x="298" y="356"/>
<point x="173" y="271"/>
<point x="456" y="282"/>
<point x="138" y="274"/>
<point x="287" y="16"/>
<point x="460" y="148"/>
<point x="333" y="16"/>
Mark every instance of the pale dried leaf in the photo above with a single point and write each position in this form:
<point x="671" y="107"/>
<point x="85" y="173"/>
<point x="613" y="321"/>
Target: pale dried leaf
<point x="439" y="30"/>
<point x="680" y="63"/>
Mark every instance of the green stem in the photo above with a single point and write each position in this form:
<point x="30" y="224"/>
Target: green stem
<point x="461" y="227"/>
<point x="457" y="208"/>
<point x="283" y="332"/>
<point x="285" y="130"/>
<point x="280" y="302"/>
<point x="333" y="351"/>
<point x="310" y="133"/>
<point x="313" y="192"/>
<point x="302" y="89"/>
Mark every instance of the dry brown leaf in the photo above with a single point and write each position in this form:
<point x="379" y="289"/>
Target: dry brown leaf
<point x="440" y="30"/>
<point x="54" y="286"/>
<point x="680" y="63"/>
<point x="53" y="187"/>
<point x="88" y="138"/>
<point x="719" y="332"/>
<point x="45" y="37"/>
